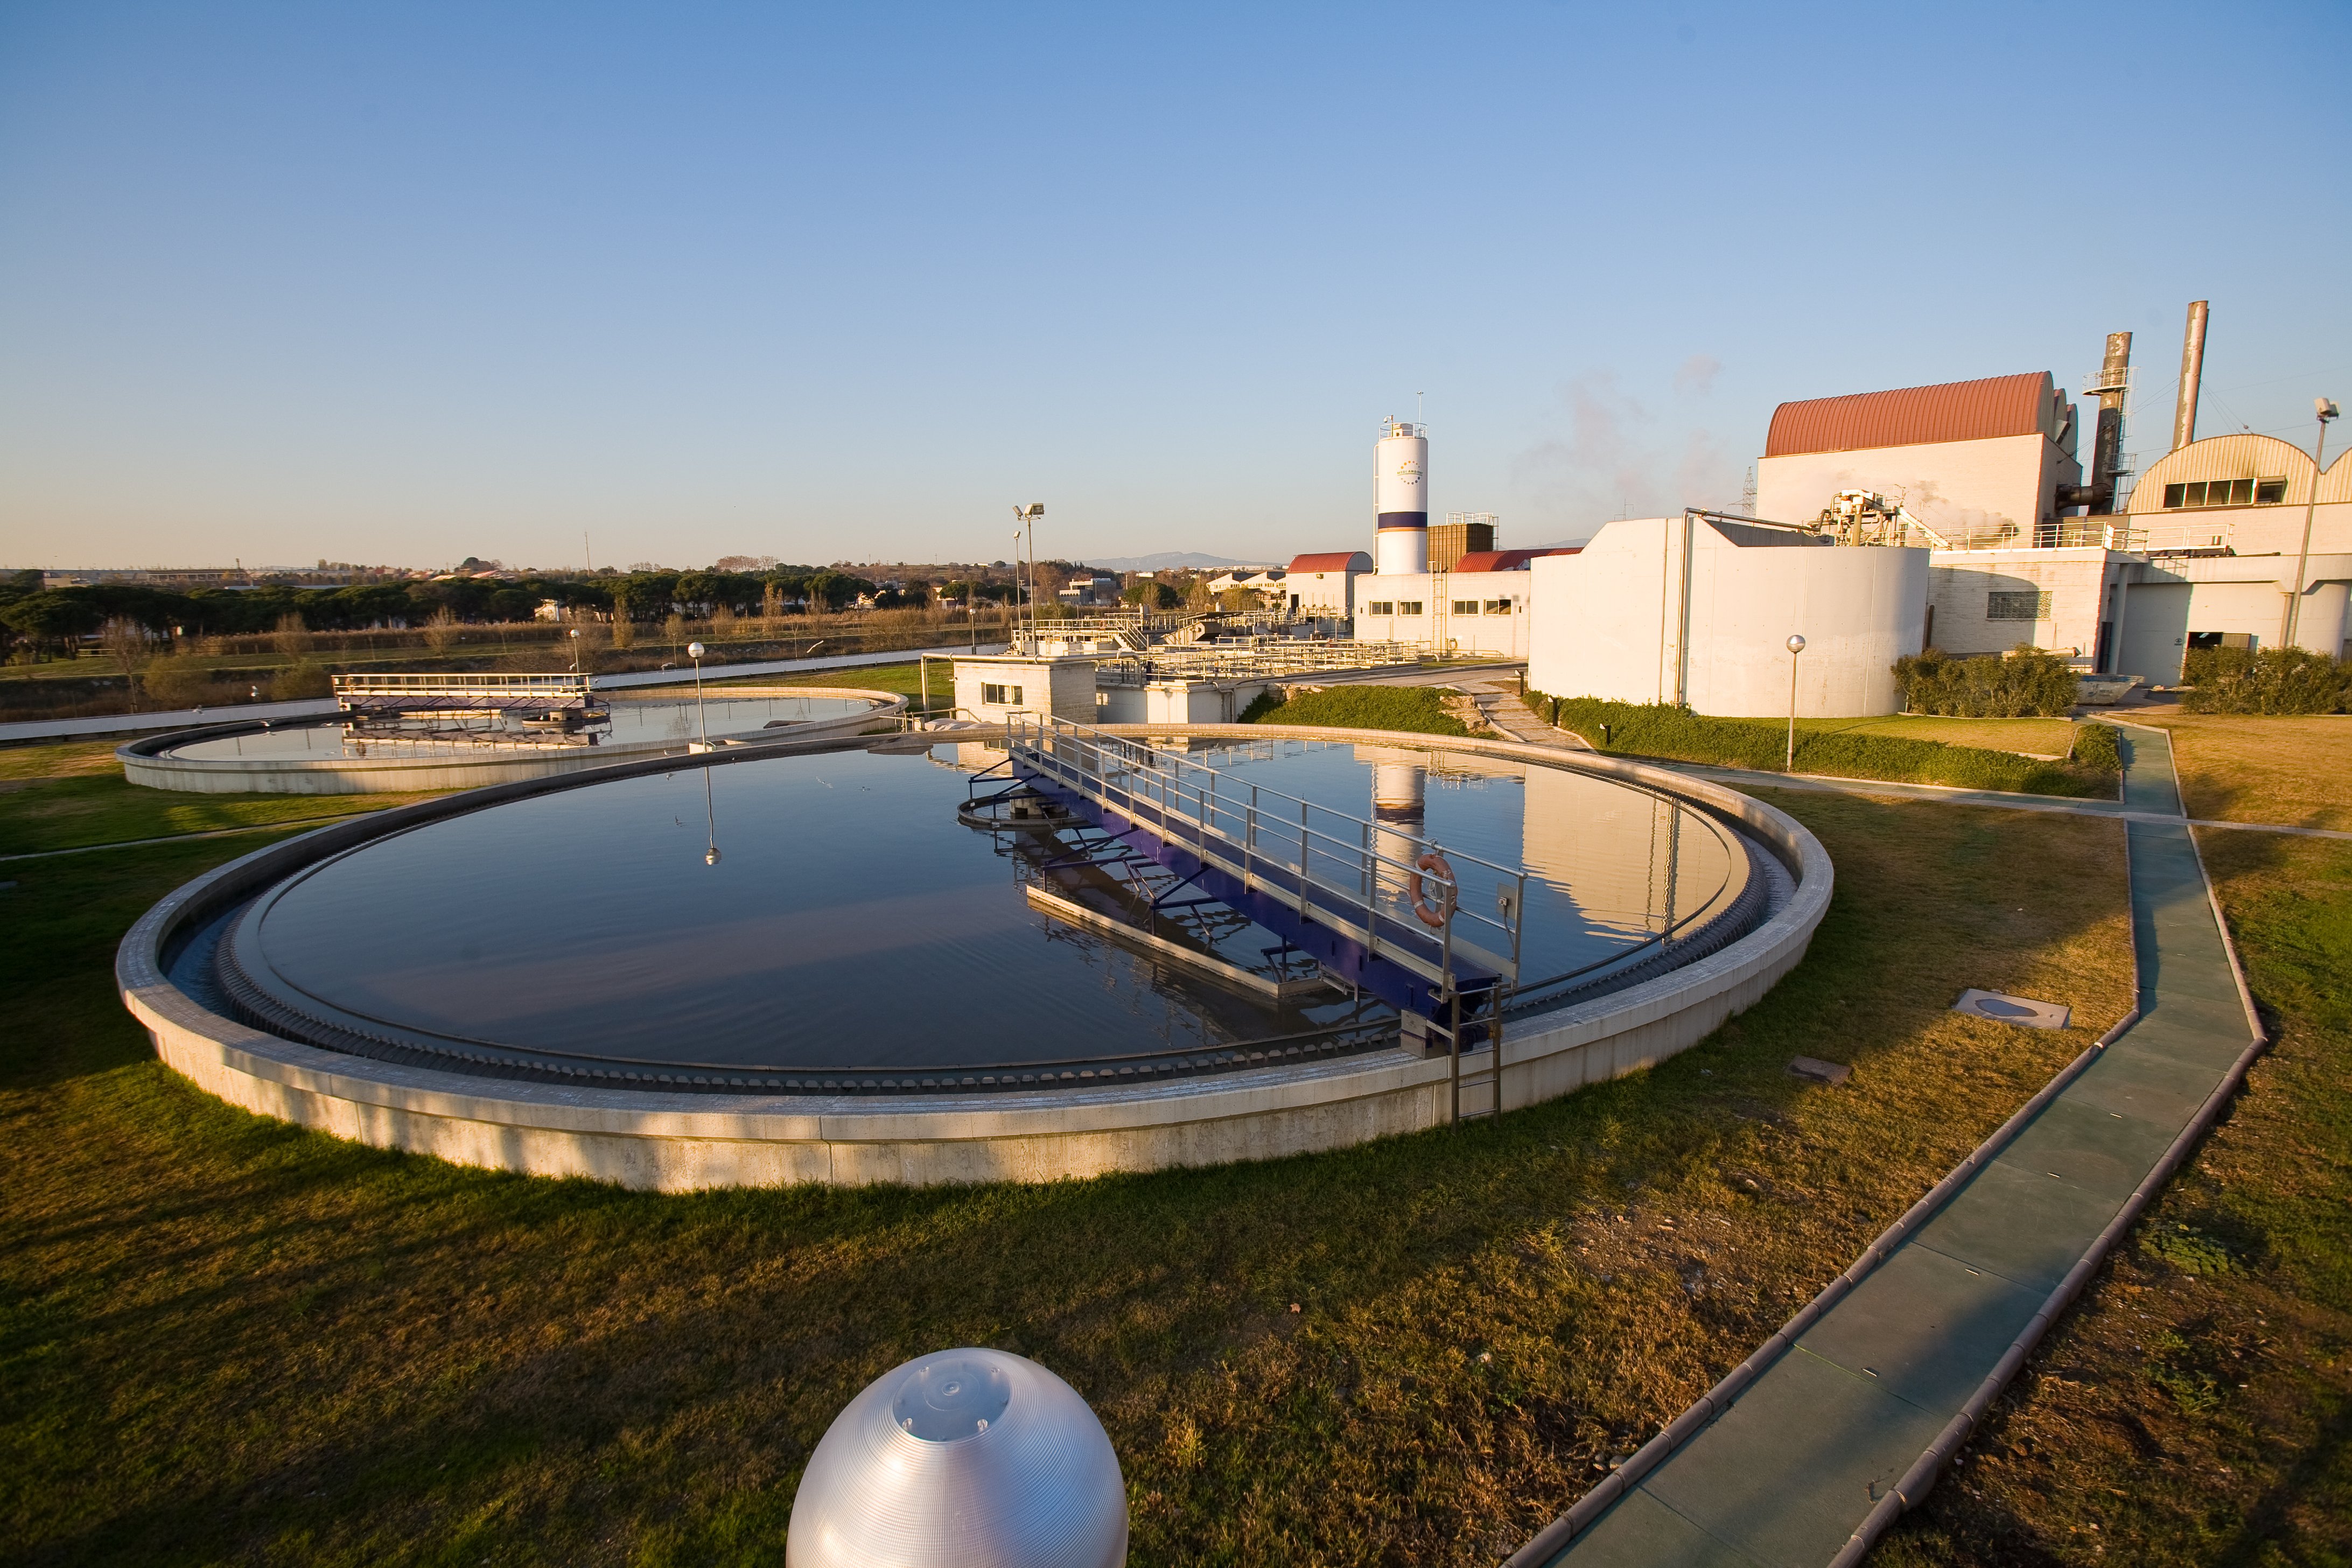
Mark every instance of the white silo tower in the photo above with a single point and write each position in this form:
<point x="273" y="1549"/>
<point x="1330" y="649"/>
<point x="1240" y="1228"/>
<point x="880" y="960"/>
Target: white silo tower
<point x="1401" y="498"/>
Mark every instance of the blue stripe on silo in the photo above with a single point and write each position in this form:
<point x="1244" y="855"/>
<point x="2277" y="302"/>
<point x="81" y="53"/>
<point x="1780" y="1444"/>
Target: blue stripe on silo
<point x="1405" y="519"/>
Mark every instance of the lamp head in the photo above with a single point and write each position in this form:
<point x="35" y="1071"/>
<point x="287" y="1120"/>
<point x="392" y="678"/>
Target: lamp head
<point x="695" y="650"/>
<point x="710" y="856"/>
<point x="2326" y="408"/>
<point x="1796" y="644"/>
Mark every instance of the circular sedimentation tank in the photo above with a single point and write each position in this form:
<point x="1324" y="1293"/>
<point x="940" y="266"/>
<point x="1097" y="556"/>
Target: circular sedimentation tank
<point x="849" y="960"/>
<point x="344" y="753"/>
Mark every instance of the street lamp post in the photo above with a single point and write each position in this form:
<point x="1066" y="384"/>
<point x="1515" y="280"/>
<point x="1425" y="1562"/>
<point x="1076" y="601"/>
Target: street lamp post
<point x="1796" y="646"/>
<point x="695" y="650"/>
<point x="2326" y="410"/>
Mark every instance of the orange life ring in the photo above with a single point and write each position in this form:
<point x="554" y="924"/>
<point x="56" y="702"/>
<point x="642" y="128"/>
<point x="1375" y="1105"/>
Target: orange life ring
<point x="1436" y="864"/>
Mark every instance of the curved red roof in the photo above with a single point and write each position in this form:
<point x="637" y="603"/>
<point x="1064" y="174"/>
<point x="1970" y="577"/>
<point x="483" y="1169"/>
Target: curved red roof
<point x="1507" y="560"/>
<point x="1911" y="416"/>
<point x="1334" y="561"/>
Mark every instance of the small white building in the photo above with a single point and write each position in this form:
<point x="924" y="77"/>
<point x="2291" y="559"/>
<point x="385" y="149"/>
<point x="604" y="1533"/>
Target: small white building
<point x="1325" y="584"/>
<point x="993" y="687"/>
<point x="1481" y="606"/>
<point x="1697" y="611"/>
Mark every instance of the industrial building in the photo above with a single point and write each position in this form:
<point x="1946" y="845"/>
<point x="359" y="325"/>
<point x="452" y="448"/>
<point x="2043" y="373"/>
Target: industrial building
<point x="1697" y="610"/>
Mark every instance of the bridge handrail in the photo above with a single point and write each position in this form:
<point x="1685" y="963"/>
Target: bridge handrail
<point x="1248" y="819"/>
<point x="473" y="685"/>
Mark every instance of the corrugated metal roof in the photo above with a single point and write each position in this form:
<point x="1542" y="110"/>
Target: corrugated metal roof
<point x="1334" y="561"/>
<point x="1912" y="415"/>
<point x="1506" y="560"/>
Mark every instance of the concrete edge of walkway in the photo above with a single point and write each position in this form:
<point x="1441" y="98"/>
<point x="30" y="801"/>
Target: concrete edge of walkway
<point x="1547" y="1543"/>
<point x="1921" y="1477"/>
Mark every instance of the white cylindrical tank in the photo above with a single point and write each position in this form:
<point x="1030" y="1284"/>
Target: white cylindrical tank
<point x="973" y="1458"/>
<point x="1401" y="498"/>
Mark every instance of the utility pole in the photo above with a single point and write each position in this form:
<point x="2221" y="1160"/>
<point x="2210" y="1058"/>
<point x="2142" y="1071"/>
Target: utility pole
<point x="2326" y="410"/>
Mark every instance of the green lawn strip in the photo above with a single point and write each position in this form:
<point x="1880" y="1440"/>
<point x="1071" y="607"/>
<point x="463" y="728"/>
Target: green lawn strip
<point x="1417" y="710"/>
<point x="2197" y="1406"/>
<point x="1656" y="730"/>
<point x="70" y="813"/>
<point x="225" y="1338"/>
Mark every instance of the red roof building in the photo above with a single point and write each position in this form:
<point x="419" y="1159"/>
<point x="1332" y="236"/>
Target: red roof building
<point x="1914" y="416"/>
<point x="1332" y="560"/>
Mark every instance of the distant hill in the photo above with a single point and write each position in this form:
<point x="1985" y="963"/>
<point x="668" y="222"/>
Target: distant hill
<point x="1172" y="560"/>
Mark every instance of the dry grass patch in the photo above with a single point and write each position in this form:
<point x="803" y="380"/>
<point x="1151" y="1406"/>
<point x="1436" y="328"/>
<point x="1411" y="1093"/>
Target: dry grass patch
<point x="2237" y="767"/>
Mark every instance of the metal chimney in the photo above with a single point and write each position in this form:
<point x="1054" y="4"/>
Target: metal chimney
<point x="2192" y="371"/>
<point x="2108" y="444"/>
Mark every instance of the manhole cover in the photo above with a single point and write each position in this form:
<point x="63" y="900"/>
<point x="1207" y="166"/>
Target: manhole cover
<point x="2006" y="1009"/>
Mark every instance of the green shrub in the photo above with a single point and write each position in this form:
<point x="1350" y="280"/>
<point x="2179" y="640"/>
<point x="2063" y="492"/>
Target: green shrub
<point x="2272" y="680"/>
<point x="1661" y="730"/>
<point x="1419" y="709"/>
<point x="178" y="682"/>
<point x="2025" y="684"/>
<point x="296" y="681"/>
<point x="2095" y="747"/>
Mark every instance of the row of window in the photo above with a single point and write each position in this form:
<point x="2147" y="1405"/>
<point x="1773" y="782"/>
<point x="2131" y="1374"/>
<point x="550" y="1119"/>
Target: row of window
<point x="1461" y="607"/>
<point x="2027" y="605"/>
<point x="2226" y="492"/>
<point x="995" y="696"/>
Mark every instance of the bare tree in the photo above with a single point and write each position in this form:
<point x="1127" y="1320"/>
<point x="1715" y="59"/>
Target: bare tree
<point x="292" y="637"/>
<point x="441" y="631"/>
<point x="125" y="642"/>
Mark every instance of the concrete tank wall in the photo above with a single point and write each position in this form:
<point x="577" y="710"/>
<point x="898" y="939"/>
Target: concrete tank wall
<point x="1611" y="622"/>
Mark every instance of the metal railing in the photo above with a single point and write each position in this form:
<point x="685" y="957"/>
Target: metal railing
<point x="1348" y="873"/>
<point x="2203" y="536"/>
<point x="560" y="688"/>
<point x="1268" y="660"/>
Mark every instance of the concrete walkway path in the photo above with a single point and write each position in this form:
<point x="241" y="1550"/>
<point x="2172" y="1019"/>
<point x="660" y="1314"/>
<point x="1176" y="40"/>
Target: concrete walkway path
<point x="1811" y="1447"/>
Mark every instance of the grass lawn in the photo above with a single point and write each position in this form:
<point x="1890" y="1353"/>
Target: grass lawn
<point x="2028" y="737"/>
<point x="2237" y="767"/>
<point x="2198" y="1407"/>
<point x="901" y="679"/>
<point x="65" y="796"/>
<point x="226" y="1340"/>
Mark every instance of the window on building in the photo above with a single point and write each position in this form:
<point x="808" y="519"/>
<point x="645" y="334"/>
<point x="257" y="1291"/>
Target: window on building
<point x="1380" y="607"/>
<point x="1408" y="606"/>
<point x="1498" y="606"/>
<point x="1465" y="606"/>
<point x="997" y="696"/>
<point x="2027" y="605"/>
<point x="2226" y="492"/>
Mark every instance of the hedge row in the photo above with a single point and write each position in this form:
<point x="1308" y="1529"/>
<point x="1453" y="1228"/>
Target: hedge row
<point x="2026" y="684"/>
<point x="2272" y="680"/>
<point x="1661" y="730"/>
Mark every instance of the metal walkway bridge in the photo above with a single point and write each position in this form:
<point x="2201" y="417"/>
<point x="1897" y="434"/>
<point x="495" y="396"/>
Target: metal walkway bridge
<point x="1388" y="912"/>
<point x="379" y="694"/>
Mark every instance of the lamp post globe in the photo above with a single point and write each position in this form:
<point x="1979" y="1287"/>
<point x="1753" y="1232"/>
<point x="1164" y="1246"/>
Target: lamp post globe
<point x="1796" y="646"/>
<point x="695" y="650"/>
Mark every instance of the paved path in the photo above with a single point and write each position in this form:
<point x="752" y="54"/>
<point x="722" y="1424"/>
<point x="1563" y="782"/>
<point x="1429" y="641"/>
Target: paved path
<point x="1807" y="1452"/>
<point x="241" y="713"/>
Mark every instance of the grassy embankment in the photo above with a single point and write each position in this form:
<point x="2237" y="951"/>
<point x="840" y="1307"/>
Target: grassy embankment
<point x="1838" y="748"/>
<point x="73" y="794"/>
<point x="1419" y="709"/>
<point x="225" y="1338"/>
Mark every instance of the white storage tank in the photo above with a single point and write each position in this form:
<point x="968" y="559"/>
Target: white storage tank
<point x="1401" y="498"/>
<point x="1687" y="610"/>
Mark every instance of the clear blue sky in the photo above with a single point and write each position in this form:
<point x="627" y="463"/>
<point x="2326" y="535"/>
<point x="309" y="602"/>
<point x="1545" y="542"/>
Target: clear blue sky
<point x="406" y="282"/>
